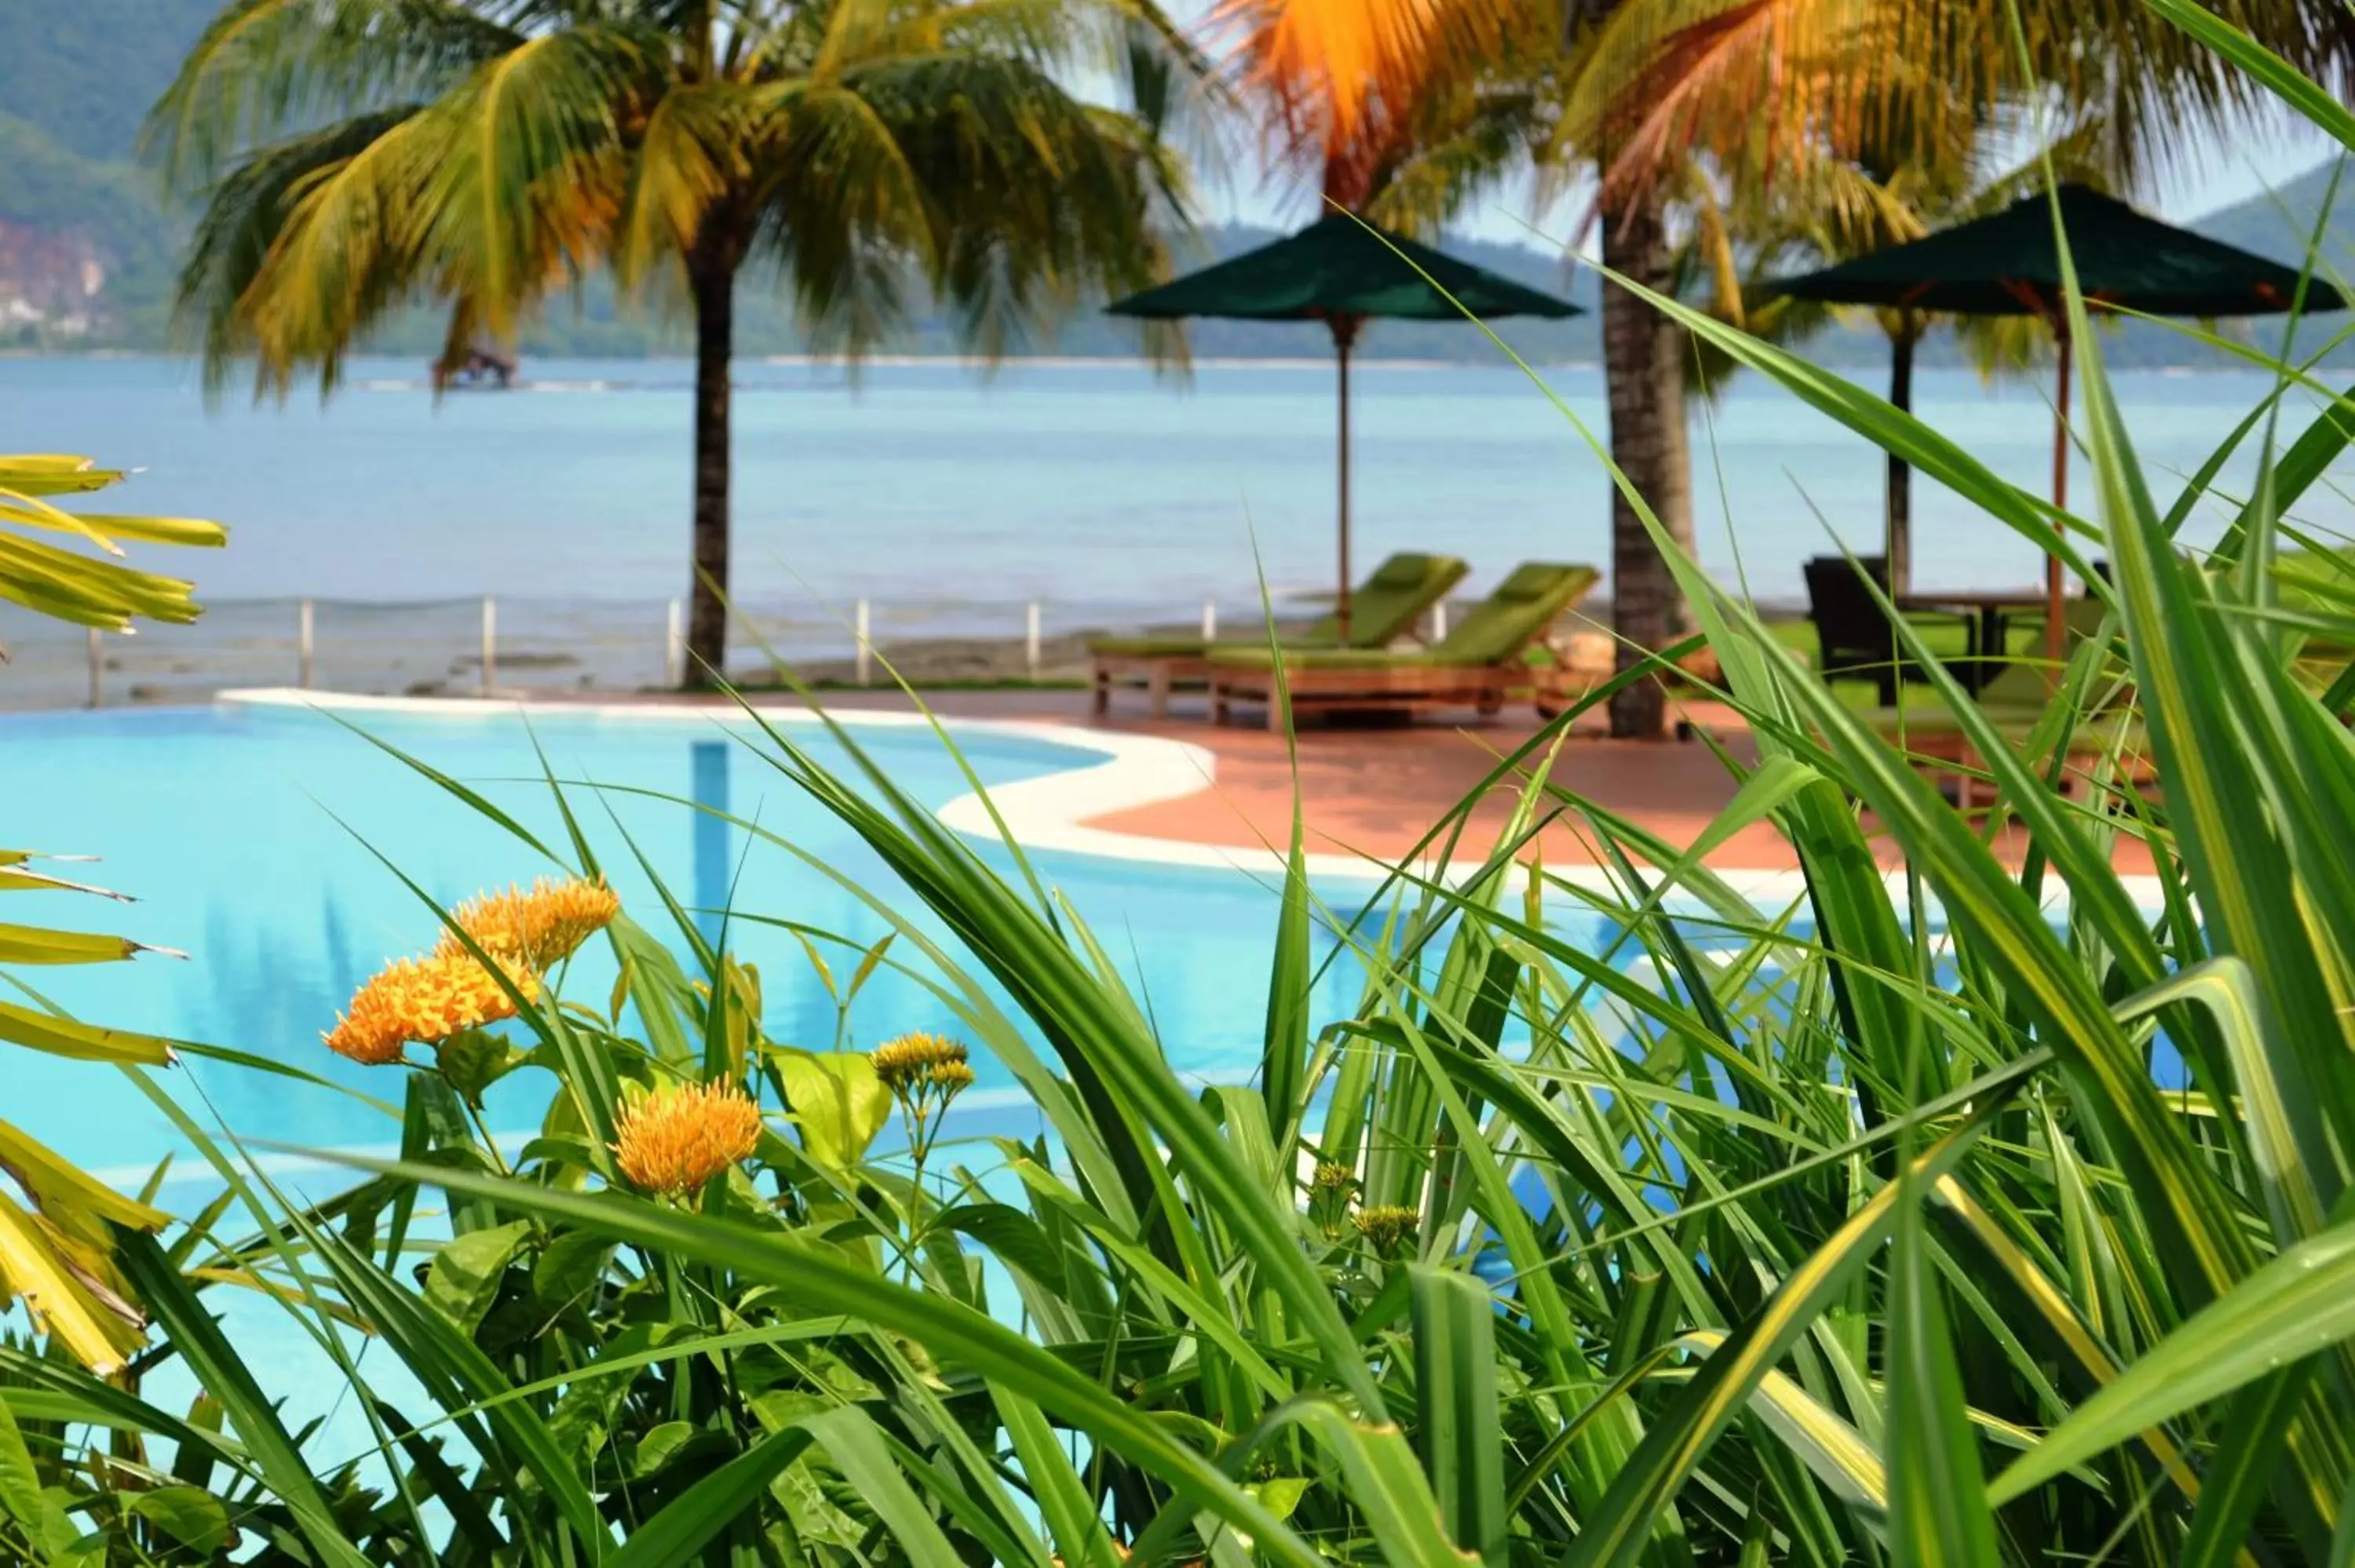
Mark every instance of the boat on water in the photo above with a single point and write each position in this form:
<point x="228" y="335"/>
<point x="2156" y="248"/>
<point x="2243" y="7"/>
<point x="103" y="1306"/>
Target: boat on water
<point x="482" y="367"/>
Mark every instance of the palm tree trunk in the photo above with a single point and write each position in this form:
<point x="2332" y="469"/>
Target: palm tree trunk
<point x="1643" y="376"/>
<point x="711" y="276"/>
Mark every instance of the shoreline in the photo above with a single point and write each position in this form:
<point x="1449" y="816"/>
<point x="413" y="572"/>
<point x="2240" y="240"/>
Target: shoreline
<point x="1323" y="366"/>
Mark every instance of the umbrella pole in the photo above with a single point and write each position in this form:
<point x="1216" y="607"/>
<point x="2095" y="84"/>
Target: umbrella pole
<point x="2054" y="583"/>
<point x="1345" y="333"/>
<point x="1897" y="546"/>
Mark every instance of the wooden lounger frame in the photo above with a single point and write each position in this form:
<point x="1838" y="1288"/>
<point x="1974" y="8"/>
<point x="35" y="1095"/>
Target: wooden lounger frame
<point x="1406" y="686"/>
<point x="1159" y="673"/>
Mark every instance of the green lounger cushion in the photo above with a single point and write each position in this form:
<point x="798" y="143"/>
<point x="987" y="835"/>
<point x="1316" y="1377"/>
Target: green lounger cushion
<point x="1382" y="610"/>
<point x="2094" y="735"/>
<point x="2028" y="683"/>
<point x="1499" y="630"/>
<point x="2015" y="699"/>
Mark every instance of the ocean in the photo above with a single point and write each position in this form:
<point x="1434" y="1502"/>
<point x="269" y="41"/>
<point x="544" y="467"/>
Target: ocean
<point x="951" y="498"/>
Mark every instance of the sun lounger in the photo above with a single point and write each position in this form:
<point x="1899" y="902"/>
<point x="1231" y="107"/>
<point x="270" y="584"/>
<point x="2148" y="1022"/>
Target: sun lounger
<point x="1478" y="665"/>
<point x="1380" y="612"/>
<point x="2015" y="701"/>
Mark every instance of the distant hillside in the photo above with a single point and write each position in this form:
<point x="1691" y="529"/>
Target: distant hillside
<point x="87" y="248"/>
<point x="85" y="252"/>
<point x="86" y="70"/>
<point x="2281" y="223"/>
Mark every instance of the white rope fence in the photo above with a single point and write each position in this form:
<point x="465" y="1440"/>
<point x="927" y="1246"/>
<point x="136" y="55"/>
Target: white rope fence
<point x="510" y="645"/>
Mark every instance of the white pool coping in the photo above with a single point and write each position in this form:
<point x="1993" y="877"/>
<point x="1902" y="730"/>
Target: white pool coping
<point x="1052" y="813"/>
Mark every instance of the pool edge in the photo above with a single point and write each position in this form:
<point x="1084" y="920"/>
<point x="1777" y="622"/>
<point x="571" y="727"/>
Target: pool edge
<point x="1052" y="813"/>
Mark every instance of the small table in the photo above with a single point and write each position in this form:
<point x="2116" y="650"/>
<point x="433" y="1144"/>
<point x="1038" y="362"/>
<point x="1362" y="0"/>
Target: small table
<point x="1990" y="605"/>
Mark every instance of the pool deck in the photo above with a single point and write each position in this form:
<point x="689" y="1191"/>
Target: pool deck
<point x="1375" y="792"/>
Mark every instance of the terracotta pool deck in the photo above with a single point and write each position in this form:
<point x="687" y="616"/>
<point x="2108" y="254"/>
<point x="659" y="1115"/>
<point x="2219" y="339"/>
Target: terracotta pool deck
<point x="1375" y="791"/>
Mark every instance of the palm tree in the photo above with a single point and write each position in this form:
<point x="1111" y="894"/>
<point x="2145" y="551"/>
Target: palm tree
<point x="355" y="155"/>
<point x="1396" y="104"/>
<point x="1758" y="89"/>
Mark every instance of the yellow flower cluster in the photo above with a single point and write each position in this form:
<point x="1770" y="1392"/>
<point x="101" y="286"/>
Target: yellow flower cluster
<point x="1332" y="1179"/>
<point x="679" y="1138"/>
<point x="546" y="923"/>
<point x="913" y="1064"/>
<point x="425" y="999"/>
<point x="1387" y="1227"/>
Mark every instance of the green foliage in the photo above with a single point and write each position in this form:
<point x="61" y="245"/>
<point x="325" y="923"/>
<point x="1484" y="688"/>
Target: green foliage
<point x="55" y="1245"/>
<point x="1993" y="1209"/>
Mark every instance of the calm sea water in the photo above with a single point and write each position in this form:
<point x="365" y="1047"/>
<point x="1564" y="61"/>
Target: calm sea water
<point x="1086" y="486"/>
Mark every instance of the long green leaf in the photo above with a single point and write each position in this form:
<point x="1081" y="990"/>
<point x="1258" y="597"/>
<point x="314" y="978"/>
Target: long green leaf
<point x="2301" y="1302"/>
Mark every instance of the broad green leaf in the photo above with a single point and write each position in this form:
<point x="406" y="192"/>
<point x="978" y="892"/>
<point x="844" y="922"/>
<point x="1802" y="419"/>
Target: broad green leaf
<point x="34" y="1267"/>
<point x="63" y="1037"/>
<point x="1073" y="1519"/>
<point x="33" y="945"/>
<point x="20" y="1483"/>
<point x="195" y="1518"/>
<point x="851" y="1440"/>
<point x="698" y="1515"/>
<point x="1462" y="1425"/>
<point x="472" y="1061"/>
<point x="464" y="1278"/>
<point x="837" y="1101"/>
<point x="2249" y="1464"/>
<point x="1936" y="1486"/>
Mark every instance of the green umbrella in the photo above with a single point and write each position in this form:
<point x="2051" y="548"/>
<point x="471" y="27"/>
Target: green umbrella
<point x="1341" y="271"/>
<point x="2007" y="264"/>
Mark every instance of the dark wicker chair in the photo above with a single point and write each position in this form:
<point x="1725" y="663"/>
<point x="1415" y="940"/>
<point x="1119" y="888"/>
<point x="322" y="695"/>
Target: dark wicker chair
<point x="1853" y="637"/>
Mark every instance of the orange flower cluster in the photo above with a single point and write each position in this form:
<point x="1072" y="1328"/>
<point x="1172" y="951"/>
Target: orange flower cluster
<point x="679" y="1138"/>
<point x="546" y="923"/>
<point x="425" y="999"/>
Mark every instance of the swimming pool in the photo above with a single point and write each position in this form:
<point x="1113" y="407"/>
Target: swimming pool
<point x="251" y="832"/>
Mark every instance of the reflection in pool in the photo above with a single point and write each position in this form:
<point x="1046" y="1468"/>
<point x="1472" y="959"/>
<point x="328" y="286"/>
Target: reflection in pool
<point x="261" y="842"/>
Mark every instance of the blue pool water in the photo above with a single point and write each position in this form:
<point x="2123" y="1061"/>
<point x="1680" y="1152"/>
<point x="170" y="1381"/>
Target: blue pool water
<point x="251" y="837"/>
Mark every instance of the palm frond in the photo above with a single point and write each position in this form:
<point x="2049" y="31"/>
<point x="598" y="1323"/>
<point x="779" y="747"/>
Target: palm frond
<point x="330" y="192"/>
<point x="265" y="65"/>
<point x="1887" y="82"/>
<point x="1342" y="81"/>
<point x="527" y="180"/>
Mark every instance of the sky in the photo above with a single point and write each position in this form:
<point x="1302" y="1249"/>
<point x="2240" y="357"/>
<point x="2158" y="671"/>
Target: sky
<point x="2221" y="172"/>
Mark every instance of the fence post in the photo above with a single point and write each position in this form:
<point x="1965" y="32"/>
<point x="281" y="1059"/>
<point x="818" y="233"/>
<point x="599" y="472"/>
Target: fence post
<point x="674" y="663"/>
<point x="97" y="671"/>
<point x="1209" y="619"/>
<point x="1439" y="621"/>
<point x="1031" y="639"/>
<point x="490" y="643"/>
<point x="306" y="662"/>
<point x="866" y="652"/>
